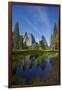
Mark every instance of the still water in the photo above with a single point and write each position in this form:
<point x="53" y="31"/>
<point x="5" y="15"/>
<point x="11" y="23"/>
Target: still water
<point x="34" y="69"/>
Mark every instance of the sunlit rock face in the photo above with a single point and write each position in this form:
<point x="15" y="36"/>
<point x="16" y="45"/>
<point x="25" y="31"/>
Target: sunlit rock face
<point x="28" y="39"/>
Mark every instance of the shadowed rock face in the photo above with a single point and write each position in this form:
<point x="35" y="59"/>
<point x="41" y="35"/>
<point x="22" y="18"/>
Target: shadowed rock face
<point x="28" y="39"/>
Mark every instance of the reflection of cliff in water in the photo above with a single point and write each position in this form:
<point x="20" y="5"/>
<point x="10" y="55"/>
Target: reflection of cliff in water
<point x="31" y="67"/>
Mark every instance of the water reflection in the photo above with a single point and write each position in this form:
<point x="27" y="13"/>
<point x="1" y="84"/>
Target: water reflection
<point x="30" y="68"/>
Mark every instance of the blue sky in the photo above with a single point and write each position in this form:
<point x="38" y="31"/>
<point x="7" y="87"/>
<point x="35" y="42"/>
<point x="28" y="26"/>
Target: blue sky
<point x="38" y="20"/>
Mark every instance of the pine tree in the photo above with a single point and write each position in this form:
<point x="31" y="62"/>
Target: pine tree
<point x="16" y="36"/>
<point x="54" y="38"/>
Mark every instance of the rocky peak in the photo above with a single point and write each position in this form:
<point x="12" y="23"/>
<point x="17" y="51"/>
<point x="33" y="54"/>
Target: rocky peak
<point x="28" y="39"/>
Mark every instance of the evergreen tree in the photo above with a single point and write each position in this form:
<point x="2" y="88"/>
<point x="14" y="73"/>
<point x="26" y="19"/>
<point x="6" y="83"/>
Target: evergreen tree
<point x="21" y="42"/>
<point x="54" y="38"/>
<point x="16" y="36"/>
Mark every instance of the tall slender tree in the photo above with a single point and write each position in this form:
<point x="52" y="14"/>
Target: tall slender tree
<point x="54" y="38"/>
<point x="16" y="36"/>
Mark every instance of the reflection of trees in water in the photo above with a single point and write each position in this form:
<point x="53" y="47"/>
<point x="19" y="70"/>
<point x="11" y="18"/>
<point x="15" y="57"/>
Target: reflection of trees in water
<point x="54" y="73"/>
<point x="28" y="61"/>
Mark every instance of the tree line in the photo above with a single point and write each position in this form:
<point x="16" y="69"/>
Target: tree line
<point x="18" y="40"/>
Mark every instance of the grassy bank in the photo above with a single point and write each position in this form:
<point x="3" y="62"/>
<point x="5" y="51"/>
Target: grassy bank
<point x="33" y="52"/>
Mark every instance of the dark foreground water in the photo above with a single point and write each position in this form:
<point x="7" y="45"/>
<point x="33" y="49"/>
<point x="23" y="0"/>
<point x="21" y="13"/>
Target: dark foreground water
<point x="35" y="70"/>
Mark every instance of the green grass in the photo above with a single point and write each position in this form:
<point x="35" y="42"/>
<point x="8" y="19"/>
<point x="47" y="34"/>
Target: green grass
<point x="33" y="52"/>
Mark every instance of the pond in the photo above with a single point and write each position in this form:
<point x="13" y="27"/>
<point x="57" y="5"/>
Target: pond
<point x="30" y="69"/>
